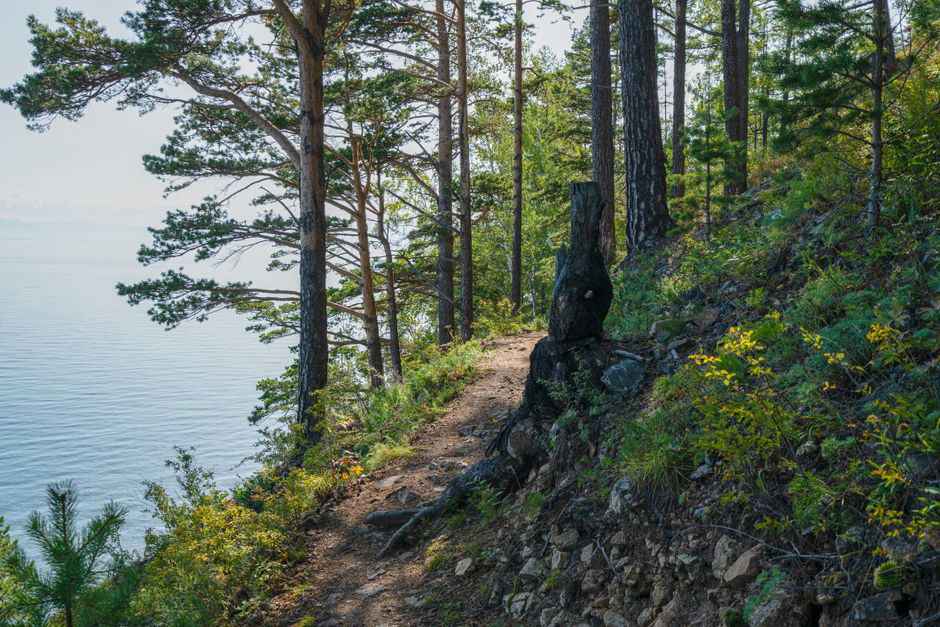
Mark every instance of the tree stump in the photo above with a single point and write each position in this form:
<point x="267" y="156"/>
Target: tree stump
<point x="580" y="301"/>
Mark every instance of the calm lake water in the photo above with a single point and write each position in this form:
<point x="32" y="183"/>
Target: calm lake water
<point x="92" y="390"/>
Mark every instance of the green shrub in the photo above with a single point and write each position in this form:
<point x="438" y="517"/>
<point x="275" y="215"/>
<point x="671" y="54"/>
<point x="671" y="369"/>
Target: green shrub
<point x="88" y="580"/>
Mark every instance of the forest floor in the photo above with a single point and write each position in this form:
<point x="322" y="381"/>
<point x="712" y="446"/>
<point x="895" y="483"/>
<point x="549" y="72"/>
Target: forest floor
<point x="341" y="582"/>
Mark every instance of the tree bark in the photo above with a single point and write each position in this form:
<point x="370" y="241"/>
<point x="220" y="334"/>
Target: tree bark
<point x="466" y="235"/>
<point x="370" y="315"/>
<point x="877" y="93"/>
<point x="313" y="346"/>
<point x="394" y="346"/>
<point x="647" y="213"/>
<point x="678" y="99"/>
<point x="602" y="126"/>
<point x="732" y="99"/>
<point x="788" y="51"/>
<point x="445" y="205"/>
<point x="743" y="41"/>
<point x="516" y="270"/>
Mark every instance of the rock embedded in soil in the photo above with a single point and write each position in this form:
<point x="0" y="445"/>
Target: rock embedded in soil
<point x="624" y="379"/>
<point x="744" y="569"/>
<point x="879" y="608"/>
<point x="533" y="569"/>
<point x="465" y="567"/>
<point x="622" y="495"/>
<point x="593" y="581"/>
<point x="567" y="540"/>
<point x="722" y="556"/>
<point x="370" y="590"/>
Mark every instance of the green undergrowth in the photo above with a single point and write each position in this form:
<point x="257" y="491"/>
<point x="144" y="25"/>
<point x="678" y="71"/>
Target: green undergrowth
<point x="814" y="395"/>
<point x="219" y="555"/>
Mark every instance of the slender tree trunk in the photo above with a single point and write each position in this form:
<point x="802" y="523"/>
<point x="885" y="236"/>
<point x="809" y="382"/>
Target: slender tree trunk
<point x="466" y="235"/>
<point x="370" y="315"/>
<point x="743" y="41"/>
<point x="313" y="346"/>
<point x="647" y="213"/>
<point x="678" y="99"/>
<point x="732" y="99"/>
<point x="788" y="51"/>
<point x="890" y="60"/>
<point x="391" y="299"/>
<point x="516" y="273"/>
<point x="877" y="92"/>
<point x="445" y="205"/>
<point x="602" y="126"/>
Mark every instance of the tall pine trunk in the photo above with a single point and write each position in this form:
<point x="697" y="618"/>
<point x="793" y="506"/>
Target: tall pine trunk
<point x="466" y="235"/>
<point x="602" y="126"/>
<point x="678" y="99"/>
<point x="743" y="37"/>
<point x="732" y="74"/>
<point x="516" y="265"/>
<point x="370" y="315"/>
<point x="313" y="347"/>
<point x="877" y="93"/>
<point x="445" y="205"/>
<point x="391" y="298"/>
<point x="647" y="214"/>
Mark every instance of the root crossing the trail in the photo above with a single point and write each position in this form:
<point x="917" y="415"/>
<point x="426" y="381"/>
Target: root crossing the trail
<point x="343" y="580"/>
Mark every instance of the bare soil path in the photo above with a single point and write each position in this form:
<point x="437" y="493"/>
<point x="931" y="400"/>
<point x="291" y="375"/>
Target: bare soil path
<point x="342" y="582"/>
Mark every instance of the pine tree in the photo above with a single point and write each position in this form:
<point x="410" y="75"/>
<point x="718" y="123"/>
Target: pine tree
<point x="88" y="581"/>
<point x="647" y="213"/>
<point x="707" y="144"/>
<point x="846" y="66"/>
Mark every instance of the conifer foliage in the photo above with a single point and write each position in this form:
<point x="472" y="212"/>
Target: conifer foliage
<point x="88" y="581"/>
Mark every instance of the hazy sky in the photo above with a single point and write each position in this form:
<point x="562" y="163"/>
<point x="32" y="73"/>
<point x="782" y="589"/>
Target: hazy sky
<point x="90" y="171"/>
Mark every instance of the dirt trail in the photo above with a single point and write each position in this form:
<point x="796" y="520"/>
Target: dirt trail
<point x="342" y="582"/>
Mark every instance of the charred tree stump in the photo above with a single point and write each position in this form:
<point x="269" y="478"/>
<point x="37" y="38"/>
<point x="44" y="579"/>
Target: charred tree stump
<point x="580" y="301"/>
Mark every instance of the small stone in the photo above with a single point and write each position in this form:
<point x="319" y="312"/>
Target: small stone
<point x="622" y="495"/>
<point x="659" y="594"/>
<point x="465" y="430"/>
<point x="774" y="613"/>
<point x="744" y="569"/>
<point x="547" y="616"/>
<point x="618" y="539"/>
<point x="560" y="559"/>
<point x="601" y="603"/>
<point x="567" y="540"/>
<point x="587" y="552"/>
<point x="415" y="602"/>
<point x="722" y="556"/>
<point x="624" y="379"/>
<point x="645" y="617"/>
<point x="613" y="618"/>
<point x="518" y="604"/>
<point x="705" y="318"/>
<point x="686" y="559"/>
<point x="332" y="599"/>
<point x="370" y="590"/>
<point x="465" y="567"/>
<point x="702" y="471"/>
<point x="678" y="344"/>
<point x="533" y="569"/>
<point x="593" y="581"/>
<point x="388" y="482"/>
<point x="877" y="608"/>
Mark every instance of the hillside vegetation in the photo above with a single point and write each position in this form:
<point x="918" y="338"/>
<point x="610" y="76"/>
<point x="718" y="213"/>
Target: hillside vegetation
<point x="753" y="437"/>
